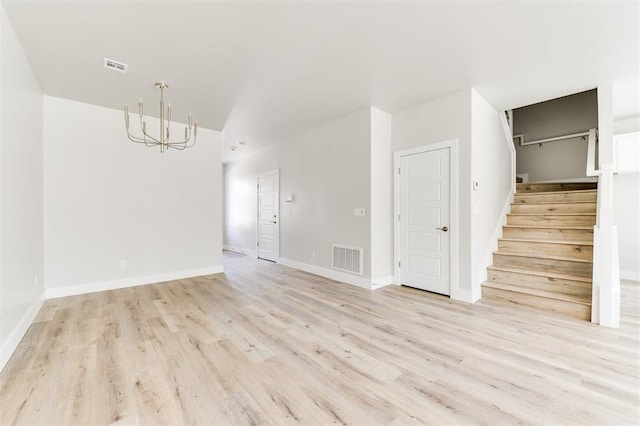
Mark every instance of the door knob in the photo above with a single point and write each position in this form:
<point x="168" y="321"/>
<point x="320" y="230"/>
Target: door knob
<point x="444" y="228"/>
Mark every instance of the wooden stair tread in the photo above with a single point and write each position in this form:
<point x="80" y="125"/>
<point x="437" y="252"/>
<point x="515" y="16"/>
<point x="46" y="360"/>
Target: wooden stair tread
<point x="547" y="226"/>
<point x="552" y="214"/>
<point x="542" y="256"/>
<point x="573" y="191"/>
<point x="539" y="273"/>
<point x="528" y="240"/>
<point x="539" y="293"/>
<point x="578" y="228"/>
<point x="541" y="203"/>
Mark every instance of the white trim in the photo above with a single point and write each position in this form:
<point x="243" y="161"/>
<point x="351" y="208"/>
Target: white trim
<point x="512" y="152"/>
<point x="277" y="205"/>
<point x="20" y="330"/>
<point x="466" y="295"/>
<point x="630" y="275"/>
<point x="327" y="273"/>
<point x="381" y="282"/>
<point x="454" y="285"/>
<point x="239" y="250"/>
<point x="55" y="292"/>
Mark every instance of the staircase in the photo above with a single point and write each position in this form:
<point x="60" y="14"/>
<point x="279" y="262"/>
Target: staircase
<point x="545" y="257"/>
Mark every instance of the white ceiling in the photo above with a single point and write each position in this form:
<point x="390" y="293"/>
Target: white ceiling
<point x="263" y="71"/>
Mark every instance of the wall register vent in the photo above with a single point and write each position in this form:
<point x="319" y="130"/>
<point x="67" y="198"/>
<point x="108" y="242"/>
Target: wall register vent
<point x="347" y="259"/>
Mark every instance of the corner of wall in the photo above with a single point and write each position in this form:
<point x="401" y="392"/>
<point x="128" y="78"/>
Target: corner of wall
<point x="20" y="329"/>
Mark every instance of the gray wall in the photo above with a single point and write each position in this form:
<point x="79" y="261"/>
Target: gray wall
<point x="562" y="160"/>
<point x="327" y="170"/>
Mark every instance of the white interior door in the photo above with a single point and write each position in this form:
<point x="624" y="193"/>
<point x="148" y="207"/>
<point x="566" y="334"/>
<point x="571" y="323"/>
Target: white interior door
<point x="268" y="216"/>
<point x="424" y="221"/>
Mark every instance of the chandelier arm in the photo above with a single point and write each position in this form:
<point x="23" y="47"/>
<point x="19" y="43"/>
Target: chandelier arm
<point x="150" y="137"/>
<point x="185" y="144"/>
<point x="147" y="143"/>
<point x="133" y="138"/>
<point x="176" y="147"/>
<point x="136" y="139"/>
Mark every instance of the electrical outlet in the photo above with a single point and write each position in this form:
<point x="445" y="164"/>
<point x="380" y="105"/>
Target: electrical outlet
<point x="313" y="254"/>
<point x="123" y="264"/>
<point x="37" y="281"/>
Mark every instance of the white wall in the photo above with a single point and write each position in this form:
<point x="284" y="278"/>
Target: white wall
<point x="444" y="119"/>
<point x="492" y="167"/>
<point x="381" y="198"/>
<point x="21" y="241"/>
<point x="327" y="170"/>
<point x="626" y="209"/>
<point x="108" y="200"/>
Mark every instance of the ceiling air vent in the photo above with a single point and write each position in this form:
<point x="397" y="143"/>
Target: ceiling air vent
<point x="115" y="65"/>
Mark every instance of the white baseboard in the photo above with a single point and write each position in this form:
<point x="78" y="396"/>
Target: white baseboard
<point x="55" y="292"/>
<point x="630" y="275"/>
<point x="468" y="296"/>
<point x="20" y="330"/>
<point x="239" y="250"/>
<point x="327" y="273"/>
<point x="381" y="282"/>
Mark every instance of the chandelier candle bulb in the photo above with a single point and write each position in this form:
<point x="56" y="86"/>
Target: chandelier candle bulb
<point x="140" y="107"/>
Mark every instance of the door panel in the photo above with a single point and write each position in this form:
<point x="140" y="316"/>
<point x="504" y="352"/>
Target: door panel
<point x="268" y="217"/>
<point x="424" y="207"/>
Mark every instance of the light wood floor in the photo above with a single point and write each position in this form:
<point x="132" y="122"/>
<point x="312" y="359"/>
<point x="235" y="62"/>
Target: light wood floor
<point x="264" y="344"/>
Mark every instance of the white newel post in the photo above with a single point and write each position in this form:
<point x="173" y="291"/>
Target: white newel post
<point x="606" y="275"/>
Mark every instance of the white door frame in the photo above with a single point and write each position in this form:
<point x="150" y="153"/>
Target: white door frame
<point x="277" y="204"/>
<point x="453" y="209"/>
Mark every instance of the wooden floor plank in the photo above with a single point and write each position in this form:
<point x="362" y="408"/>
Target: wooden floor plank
<point x="266" y="344"/>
